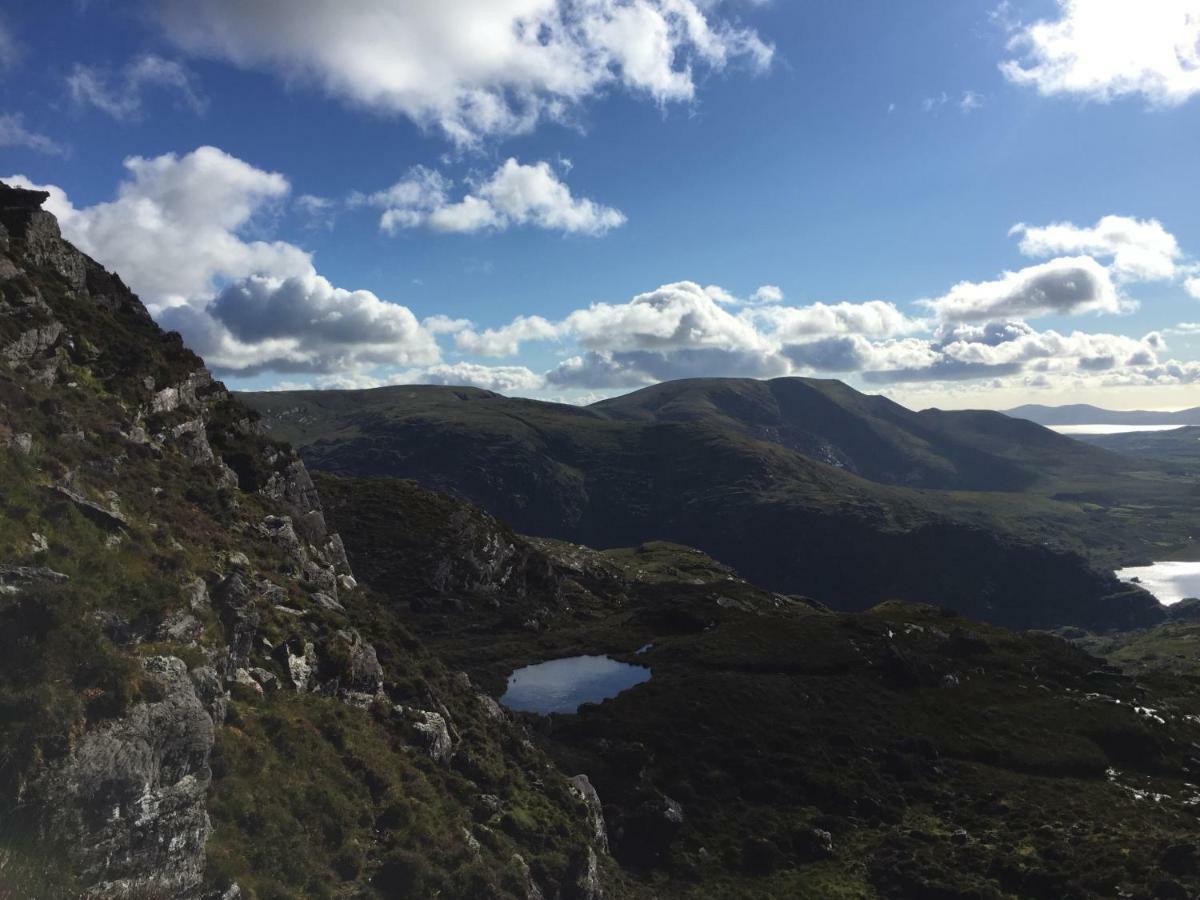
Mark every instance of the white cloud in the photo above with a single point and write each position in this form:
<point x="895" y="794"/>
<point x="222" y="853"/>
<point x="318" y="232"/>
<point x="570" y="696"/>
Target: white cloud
<point x="513" y="63"/>
<point x="13" y="133"/>
<point x="875" y="318"/>
<point x="515" y="194"/>
<point x="506" y="341"/>
<point x="175" y="228"/>
<point x="767" y="293"/>
<point x="304" y="324"/>
<point x="1068" y="285"/>
<point x="1192" y="286"/>
<point x="502" y="379"/>
<point x="175" y="234"/>
<point x="1140" y="249"/>
<point x="673" y="317"/>
<point x="970" y="101"/>
<point x="1103" y="49"/>
<point x="122" y="94"/>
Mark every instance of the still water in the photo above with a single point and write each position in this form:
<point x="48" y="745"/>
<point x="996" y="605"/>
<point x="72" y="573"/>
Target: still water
<point x="563" y="685"/>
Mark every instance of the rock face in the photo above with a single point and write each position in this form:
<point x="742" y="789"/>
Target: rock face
<point x="146" y="521"/>
<point x="129" y="800"/>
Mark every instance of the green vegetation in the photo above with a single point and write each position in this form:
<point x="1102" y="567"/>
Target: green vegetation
<point x="997" y="518"/>
<point x="943" y="757"/>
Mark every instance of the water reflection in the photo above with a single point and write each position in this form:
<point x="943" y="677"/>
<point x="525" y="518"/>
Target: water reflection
<point x="563" y="685"/>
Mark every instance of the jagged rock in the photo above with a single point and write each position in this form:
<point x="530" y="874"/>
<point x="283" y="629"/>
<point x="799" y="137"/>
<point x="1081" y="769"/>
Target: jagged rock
<point x="117" y="628"/>
<point x="432" y="732"/>
<point x="491" y="708"/>
<point x="268" y="680"/>
<point x="321" y="577"/>
<point x="32" y="342"/>
<point x="525" y="877"/>
<point x="181" y="627"/>
<point x="239" y="560"/>
<point x="184" y="395"/>
<point x="586" y="883"/>
<point x="107" y="518"/>
<point x="245" y="679"/>
<point x="301" y="665"/>
<point x="38" y="543"/>
<point x="582" y="788"/>
<point x="196" y="594"/>
<point x="19" y="576"/>
<point x="279" y="530"/>
<point x="326" y="602"/>
<point x="362" y="672"/>
<point x="22" y="443"/>
<point x="236" y="602"/>
<point x="209" y="688"/>
<point x="127" y="804"/>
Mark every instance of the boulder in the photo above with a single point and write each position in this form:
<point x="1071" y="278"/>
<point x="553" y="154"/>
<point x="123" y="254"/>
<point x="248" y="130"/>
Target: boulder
<point x="127" y="804"/>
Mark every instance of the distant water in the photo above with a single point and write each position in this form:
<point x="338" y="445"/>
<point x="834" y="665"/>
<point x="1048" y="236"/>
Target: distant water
<point x="563" y="685"/>
<point x="1109" y="429"/>
<point x="1170" y="582"/>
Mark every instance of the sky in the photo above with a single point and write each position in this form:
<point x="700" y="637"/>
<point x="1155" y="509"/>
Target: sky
<point x="956" y="203"/>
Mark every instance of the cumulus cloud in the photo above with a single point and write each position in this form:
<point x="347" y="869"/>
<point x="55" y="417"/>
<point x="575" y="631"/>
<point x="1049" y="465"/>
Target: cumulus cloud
<point x="122" y="94"/>
<point x="175" y="228"/>
<point x="767" y="293"/>
<point x="1140" y="249"/>
<point x="175" y="233"/>
<point x="1103" y="49"/>
<point x="502" y="379"/>
<point x="1192" y="286"/>
<point x="1067" y="285"/>
<point x="875" y="318"/>
<point x="507" y="340"/>
<point x="519" y="61"/>
<point x="13" y="133"/>
<point x="515" y="194"/>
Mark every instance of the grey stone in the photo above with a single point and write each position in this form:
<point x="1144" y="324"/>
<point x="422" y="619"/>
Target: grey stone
<point x="127" y="804"/>
<point x="583" y="789"/>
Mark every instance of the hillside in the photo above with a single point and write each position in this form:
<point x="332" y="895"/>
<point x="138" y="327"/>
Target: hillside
<point x="201" y="700"/>
<point x="780" y="750"/>
<point x="1086" y="414"/>
<point x="1178" y="445"/>
<point x="197" y="699"/>
<point x="709" y="464"/>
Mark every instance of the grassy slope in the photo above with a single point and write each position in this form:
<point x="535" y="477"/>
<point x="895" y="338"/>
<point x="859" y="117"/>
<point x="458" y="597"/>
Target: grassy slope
<point x="709" y="465"/>
<point x="767" y="717"/>
<point x="310" y="797"/>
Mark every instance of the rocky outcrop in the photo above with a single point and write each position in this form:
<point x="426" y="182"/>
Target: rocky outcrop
<point x="128" y="802"/>
<point x="582" y="788"/>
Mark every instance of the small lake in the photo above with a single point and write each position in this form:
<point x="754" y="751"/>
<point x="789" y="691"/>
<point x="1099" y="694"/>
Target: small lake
<point x="563" y="685"/>
<point x="1109" y="429"/>
<point x="1170" y="582"/>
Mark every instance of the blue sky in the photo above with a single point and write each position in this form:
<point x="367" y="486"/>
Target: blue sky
<point x="854" y="159"/>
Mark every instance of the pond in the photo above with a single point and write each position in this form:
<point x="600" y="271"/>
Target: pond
<point x="1169" y="582"/>
<point x="563" y="685"/>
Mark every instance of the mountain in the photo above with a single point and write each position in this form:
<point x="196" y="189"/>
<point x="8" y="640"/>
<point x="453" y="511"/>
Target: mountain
<point x="1085" y="414"/>
<point x="781" y="750"/>
<point x="221" y="677"/>
<point x="758" y="474"/>
<point x="197" y="699"/>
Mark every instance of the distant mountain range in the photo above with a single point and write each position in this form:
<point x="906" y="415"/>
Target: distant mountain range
<point x="1086" y="414"/>
<point x="806" y="486"/>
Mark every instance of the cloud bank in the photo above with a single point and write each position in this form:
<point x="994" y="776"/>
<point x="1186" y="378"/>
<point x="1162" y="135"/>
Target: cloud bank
<point x="518" y="62"/>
